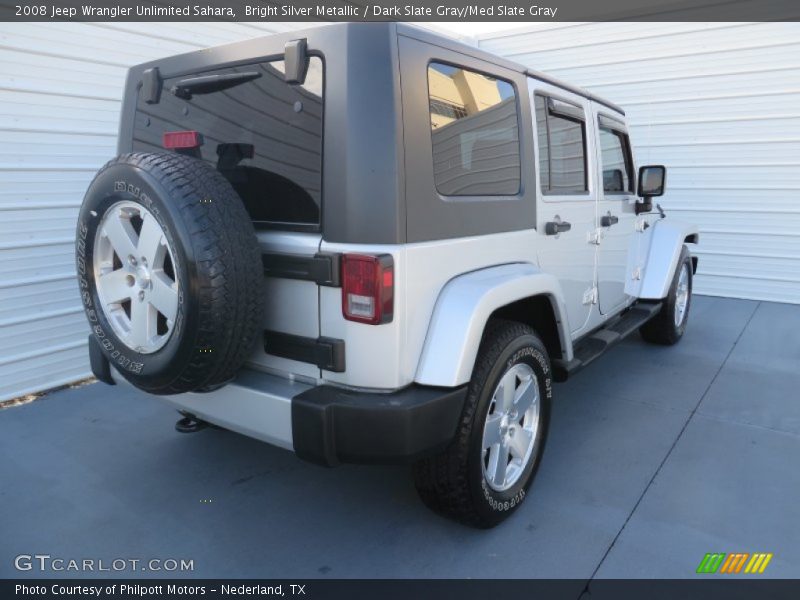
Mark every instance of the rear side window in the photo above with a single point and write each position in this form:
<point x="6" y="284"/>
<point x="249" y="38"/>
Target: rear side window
<point x="561" y="132"/>
<point x="262" y="134"/>
<point x="616" y="160"/>
<point x="474" y="132"/>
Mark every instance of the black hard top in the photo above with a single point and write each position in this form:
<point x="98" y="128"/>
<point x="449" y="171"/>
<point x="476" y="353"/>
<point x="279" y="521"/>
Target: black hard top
<point x="377" y="181"/>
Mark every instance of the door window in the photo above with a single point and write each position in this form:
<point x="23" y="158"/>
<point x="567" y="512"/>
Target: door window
<point x="615" y="157"/>
<point x="561" y="128"/>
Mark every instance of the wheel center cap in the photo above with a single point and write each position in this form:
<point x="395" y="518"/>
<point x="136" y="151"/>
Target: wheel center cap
<point x="143" y="277"/>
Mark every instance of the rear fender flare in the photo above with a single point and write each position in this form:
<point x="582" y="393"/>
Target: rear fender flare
<point x="463" y="309"/>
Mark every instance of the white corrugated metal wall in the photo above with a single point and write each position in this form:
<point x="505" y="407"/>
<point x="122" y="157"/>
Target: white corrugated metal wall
<point x="60" y="91"/>
<point x="719" y="104"/>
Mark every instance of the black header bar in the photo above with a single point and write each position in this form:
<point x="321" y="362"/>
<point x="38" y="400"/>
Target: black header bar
<point x="522" y="11"/>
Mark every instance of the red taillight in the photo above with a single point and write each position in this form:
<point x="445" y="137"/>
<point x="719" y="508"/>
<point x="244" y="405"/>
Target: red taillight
<point x="180" y="140"/>
<point x="368" y="288"/>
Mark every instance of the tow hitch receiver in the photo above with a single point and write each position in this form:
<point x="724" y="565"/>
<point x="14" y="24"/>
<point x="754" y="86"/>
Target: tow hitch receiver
<point x="190" y="424"/>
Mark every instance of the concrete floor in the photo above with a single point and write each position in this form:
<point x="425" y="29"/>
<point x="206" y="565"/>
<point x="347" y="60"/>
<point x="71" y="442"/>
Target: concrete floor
<point x="656" y="456"/>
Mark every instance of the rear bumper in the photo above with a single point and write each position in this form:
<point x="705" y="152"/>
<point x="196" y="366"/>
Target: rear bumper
<point x="325" y="424"/>
<point x="332" y="425"/>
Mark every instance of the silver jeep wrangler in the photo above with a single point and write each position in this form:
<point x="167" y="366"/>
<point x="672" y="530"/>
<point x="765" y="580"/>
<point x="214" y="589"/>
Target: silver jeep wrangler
<point x="368" y="243"/>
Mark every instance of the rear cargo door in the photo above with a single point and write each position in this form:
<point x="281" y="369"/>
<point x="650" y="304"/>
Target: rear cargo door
<point x="265" y="136"/>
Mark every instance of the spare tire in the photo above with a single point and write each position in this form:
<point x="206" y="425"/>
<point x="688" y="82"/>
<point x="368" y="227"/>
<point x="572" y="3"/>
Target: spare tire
<point x="170" y="272"/>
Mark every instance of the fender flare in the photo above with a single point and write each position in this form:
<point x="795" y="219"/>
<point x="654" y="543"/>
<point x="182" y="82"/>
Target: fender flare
<point x="666" y="241"/>
<point x="464" y="306"/>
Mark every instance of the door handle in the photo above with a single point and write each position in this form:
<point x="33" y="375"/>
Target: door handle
<point x="609" y="220"/>
<point x="556" y="227"/>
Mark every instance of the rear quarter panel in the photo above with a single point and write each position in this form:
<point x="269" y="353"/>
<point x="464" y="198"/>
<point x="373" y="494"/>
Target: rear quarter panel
<point x="387" y="356"/>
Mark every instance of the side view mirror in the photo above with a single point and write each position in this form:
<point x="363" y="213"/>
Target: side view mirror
<point x="652" y="179"/>
<point x="651" y="184"/>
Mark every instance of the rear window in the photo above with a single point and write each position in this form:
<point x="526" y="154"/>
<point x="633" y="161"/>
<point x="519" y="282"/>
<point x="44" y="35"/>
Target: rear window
<point x="474" y="131"/>
<point x="262" y="134"/>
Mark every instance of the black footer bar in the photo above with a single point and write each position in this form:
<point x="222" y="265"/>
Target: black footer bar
<point x="416" y="589"/>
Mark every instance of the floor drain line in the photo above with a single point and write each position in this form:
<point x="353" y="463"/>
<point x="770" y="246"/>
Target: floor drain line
<point x="586" y="592"/>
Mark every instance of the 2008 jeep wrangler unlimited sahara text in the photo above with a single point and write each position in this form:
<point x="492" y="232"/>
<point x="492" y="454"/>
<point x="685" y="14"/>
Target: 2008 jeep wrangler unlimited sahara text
<point x="368" y="243"/>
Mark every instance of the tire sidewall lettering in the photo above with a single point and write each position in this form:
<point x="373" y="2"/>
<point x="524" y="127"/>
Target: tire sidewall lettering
<point x="540" y="359"/>
<point x="501" y="505"/>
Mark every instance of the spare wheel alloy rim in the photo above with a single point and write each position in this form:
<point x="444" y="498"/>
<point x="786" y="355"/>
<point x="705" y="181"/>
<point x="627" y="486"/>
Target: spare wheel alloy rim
<point x="135" y="276"/>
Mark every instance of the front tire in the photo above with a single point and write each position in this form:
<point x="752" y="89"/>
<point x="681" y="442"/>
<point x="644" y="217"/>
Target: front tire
<point x="485" y="473"/>
<point x="669" y="325"/>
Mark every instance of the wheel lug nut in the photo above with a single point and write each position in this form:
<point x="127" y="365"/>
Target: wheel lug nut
<point x="132" y="260"/>
<point x="141" y="295"/>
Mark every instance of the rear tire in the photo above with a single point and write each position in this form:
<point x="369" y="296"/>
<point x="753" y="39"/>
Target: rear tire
<point x="669" y="325"/>
<point x="497" y="432"/>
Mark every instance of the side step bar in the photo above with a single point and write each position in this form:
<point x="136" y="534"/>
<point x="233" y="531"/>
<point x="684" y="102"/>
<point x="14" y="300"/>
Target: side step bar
<point x="590" y="347"/>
